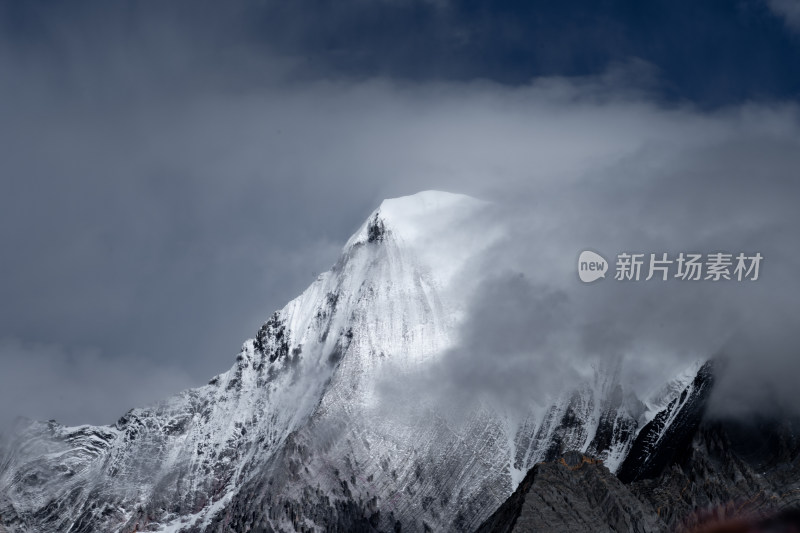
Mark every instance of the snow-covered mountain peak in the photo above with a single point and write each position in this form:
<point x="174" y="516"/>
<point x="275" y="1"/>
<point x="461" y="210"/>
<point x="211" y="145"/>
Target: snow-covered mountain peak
<point x="416" y="217"/>
<point x="439" y="231"/>
<point x="294" y="433"/>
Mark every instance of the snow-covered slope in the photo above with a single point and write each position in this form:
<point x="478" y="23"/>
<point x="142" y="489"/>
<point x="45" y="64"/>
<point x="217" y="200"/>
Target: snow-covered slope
<point x="292" y="437"/>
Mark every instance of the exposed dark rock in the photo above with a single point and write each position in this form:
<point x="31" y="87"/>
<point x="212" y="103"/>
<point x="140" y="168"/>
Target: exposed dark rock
<point x="616" y="425"/>
<point x="577" y="494"/>
<point x="720" y="474"/>
<point x="681" y="468"/>
<point x="719" y="470"/>
<point x="271" y="339"/>
<point x="375" y="229"/>
<point x="666" y="438"/>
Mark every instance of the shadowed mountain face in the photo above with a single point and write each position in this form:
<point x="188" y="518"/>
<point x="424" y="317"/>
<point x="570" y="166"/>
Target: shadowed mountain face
<point x="575" y="493"/>
<point x="666" y="438"/>
<point x="727" y="476"/>
<point x="297" y="436"/>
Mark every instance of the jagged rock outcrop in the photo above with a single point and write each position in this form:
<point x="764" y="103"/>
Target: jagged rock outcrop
<point x="753" y="468"/>
<point x="575" y="493"/>
<point x="728" y="469"/>
<point x="661" y="441"/>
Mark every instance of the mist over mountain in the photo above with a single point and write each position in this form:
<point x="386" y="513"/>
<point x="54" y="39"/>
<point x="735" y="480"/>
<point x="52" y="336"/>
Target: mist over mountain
<point x="417" y="180"/>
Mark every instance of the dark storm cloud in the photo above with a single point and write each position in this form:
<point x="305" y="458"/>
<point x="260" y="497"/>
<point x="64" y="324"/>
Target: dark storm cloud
<point x="707" y="52"/>
<point x="172" y="173"/>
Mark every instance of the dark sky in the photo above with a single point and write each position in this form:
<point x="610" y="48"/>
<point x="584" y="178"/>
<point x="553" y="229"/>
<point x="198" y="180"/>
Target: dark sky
<point x="174" y="172"/>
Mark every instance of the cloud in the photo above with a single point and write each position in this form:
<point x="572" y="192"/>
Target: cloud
<point x="657" y="182"/>
<point x="42" y="382"/>
<point x="789" y="10"/>
<point x="168" y="184"/>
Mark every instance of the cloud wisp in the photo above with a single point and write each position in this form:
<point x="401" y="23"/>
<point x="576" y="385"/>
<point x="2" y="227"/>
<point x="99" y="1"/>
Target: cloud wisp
<point x="162" y="195"/>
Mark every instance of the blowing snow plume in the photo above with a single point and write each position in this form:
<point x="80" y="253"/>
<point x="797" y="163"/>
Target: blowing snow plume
<point x="532" y="329"/>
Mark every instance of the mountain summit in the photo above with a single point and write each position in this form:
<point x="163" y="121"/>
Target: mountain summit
<point x="289" y="438"/>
